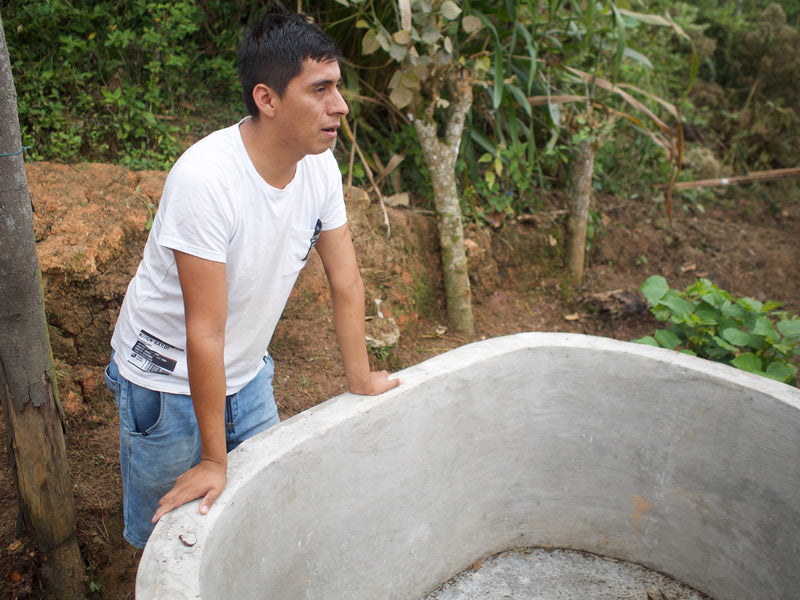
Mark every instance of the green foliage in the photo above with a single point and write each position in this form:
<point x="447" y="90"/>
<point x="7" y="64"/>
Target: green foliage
<point x="502" y="147"/>
<point x="708" y="322"/>
<point x="747" y="95"/>
<point x="136" y="81"/>
<point x="115" y="81"/>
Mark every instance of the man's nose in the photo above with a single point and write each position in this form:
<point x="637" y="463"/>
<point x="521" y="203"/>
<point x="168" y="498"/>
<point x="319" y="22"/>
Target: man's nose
<point x="339" y="105"/>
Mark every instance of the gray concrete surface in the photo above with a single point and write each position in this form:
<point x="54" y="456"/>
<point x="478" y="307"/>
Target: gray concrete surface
<point x="681" y="465"/>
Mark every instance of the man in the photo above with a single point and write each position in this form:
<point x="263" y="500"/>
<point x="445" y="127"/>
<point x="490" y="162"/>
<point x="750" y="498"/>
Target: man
<point x="240" y="212"/>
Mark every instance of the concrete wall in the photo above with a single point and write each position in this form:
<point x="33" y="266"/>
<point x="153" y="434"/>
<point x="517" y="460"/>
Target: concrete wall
<point x="679" y="464"/>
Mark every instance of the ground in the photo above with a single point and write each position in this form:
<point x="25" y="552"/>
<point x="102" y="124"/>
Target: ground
<point x="91" y="223"/>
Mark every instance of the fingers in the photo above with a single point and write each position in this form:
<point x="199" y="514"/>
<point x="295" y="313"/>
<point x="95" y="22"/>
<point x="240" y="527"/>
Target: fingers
<point x="208" y="500"/>
<point x="392" y="383"/>
<point x="380" y="382"/>
<point x="205" y="480"/>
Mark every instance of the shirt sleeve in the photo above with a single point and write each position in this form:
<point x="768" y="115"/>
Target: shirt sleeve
<point x="195" y="218"/>
<point x="333" y="213"/>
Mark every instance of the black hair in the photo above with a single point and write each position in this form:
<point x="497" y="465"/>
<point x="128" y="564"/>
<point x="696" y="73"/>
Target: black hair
<point x="273" y="48"/>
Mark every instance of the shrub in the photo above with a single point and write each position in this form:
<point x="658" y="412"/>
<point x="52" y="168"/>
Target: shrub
<point x="708" y="322"/>
<point x="117" y="81"/>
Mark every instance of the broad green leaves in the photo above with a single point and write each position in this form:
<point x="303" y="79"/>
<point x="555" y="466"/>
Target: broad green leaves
<point x="428" y="44"/>
<point x="708" y="322"/>
<point x="450" y="10"/>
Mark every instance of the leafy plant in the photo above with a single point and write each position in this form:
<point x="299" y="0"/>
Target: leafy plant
<point x="119" y="80"/>
<point x="708" y="322"/>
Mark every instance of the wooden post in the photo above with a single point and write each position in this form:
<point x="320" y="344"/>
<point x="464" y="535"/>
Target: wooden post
<point x="37" y="450"/>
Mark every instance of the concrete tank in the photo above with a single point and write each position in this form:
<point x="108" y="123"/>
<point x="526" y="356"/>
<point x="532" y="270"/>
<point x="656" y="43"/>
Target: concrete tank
<point x="679" y="464"/>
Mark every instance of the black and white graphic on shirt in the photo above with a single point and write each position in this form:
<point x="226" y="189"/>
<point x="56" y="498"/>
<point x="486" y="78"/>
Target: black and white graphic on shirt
<point x="314" y="238"/>
<point x="146" y="354"/>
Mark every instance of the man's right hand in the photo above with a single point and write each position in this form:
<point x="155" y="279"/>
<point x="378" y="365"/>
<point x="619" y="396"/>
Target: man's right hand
<point x="205" y="480"/>
<point x="379" y="382"/>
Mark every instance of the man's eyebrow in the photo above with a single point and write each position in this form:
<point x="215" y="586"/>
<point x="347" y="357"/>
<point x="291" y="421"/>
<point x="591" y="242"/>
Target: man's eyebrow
<point x="324" y="82"/>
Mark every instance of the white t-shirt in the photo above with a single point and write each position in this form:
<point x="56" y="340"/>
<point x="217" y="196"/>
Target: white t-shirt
<point x="216" y="206"/>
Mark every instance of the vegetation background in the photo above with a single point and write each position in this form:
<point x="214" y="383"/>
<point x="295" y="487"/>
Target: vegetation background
<point x="135" y="82"/>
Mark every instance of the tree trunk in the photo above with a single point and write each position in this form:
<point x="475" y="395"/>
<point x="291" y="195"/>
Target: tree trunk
<point x="37" y="451"/>
<point x="580" y="195"/>
<point x="440" y="156"/>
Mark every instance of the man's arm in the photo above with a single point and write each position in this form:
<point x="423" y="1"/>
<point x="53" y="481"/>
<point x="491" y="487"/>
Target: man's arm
<point x="205" y="301"/>
<point x="335" y="247"/>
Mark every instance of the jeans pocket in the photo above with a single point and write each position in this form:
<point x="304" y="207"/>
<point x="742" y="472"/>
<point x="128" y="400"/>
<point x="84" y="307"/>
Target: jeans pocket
<point x="111" y="383"/>
<point x="145" y="408"/>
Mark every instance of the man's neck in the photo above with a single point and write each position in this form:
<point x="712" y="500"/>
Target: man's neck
<point x="269" y="159"/>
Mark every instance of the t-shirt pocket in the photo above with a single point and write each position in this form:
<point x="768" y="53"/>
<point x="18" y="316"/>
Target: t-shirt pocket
<point x="301" y="241"/>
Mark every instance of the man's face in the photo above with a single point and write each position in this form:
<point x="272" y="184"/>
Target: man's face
<point x="310" y="109"/>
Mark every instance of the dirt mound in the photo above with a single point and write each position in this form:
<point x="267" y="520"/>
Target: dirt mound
<point x="91" y="224"/>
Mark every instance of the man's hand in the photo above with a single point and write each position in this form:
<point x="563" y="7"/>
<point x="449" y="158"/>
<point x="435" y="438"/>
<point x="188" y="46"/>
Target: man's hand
<point x="379" y="382"/>
<point x="205" y="480"/>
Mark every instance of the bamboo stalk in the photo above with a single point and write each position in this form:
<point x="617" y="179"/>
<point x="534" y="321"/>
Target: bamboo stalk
<point x="773" y="175"/>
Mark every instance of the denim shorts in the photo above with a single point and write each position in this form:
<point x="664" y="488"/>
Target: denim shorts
<point x="159" y="439"/>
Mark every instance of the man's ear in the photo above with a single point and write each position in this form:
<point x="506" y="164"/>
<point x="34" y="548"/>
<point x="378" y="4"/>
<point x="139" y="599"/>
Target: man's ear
<point x="266" y="99"/>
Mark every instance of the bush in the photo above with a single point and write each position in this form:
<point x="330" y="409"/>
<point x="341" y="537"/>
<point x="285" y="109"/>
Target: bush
<point x="117" y="81"/>
<point x="708" y="322"/>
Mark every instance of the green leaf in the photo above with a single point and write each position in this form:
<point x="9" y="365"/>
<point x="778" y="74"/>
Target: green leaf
<point x="752" y="304"/>
<point x="725" y="345"/>
<point x="781" y="371"/>
<point x="736" y="311"/>
<point x="398" y="52"/>
<point x="748" y="362"/>
<point x="448" y="45"/>
<point x="402" y="37"/>
<point x="409" y="79"/>
<point x="649" y="19"/>
<point x="422" y="72"/>
<point x="370" y="43"/>
<point x="471" y="24"/>
<point x="621" y="41"/>
<point x="763" y="327"/>
<point x="521" y="98"/>
<point x="638" y="57"/>
<point x="647" y="340"/>
<point x="396" y="79"/>
<point x="483" y="64"/>
<point x="790" y="327"/>
<point x="431" y="35"/>
<point x="714" y="298"/>
<point x="499" y="75"/>
<point x="384" y="39"/>
<point x="667" y="339"/>
<point x="682" y="309"/>
<point x="450" y="10"/>
<point x="591" y="7"/>
<point x="654" y="289"/>
<point x="401" y="97"/>
<point x="555" y="116"/>
<point x="706" y="314"/>
<point x="735" y="336"/>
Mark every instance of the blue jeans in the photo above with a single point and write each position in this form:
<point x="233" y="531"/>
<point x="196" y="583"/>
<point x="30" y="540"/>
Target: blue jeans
<point x="159" y="439"/>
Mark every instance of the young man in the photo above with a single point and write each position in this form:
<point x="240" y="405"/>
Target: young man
<point x="240" y="212"/>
